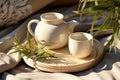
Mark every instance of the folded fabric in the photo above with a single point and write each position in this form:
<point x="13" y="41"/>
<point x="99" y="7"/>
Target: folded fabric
<point x="9" y="61"/>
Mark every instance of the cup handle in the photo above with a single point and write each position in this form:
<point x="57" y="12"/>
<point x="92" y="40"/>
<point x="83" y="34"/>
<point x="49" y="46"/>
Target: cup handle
<point x="29" y="26"/>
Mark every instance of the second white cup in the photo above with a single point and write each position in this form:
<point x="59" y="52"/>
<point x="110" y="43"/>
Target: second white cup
<point x="80" y="44"/>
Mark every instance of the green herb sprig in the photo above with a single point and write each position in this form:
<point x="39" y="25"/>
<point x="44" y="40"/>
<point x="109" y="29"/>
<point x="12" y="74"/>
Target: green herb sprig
<point x="33" y="50"/>
<point x="109" y="10"/>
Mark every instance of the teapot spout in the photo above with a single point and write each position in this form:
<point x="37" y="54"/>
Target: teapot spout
<point x="72" y="25"/>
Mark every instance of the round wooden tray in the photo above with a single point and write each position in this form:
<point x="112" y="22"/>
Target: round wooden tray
<point x="67" y="63"/>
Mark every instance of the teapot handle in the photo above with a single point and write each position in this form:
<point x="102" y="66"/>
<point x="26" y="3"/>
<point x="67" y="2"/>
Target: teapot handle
<point x="29" y="26"/>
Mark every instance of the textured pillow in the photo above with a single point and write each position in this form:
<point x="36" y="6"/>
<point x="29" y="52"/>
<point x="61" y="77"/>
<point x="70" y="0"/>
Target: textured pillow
<point x="12" y="11"/>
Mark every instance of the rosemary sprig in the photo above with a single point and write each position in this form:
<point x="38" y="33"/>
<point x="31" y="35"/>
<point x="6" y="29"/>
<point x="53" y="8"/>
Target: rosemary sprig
<point x="31" y="50"/>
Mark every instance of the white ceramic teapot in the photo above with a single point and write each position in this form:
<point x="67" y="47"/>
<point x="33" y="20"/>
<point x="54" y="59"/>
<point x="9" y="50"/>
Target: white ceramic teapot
<point x="53" y="29"/>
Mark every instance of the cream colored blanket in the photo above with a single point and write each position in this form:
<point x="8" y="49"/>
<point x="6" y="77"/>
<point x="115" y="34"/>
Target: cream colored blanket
<point x="12" y="67"/>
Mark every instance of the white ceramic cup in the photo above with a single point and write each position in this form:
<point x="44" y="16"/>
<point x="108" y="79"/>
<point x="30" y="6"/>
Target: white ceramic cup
<point x="80" y="44"/>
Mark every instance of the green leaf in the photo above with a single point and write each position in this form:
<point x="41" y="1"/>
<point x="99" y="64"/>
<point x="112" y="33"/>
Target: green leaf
<point x="112" y="7"/>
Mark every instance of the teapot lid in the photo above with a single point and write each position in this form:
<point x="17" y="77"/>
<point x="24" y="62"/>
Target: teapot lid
<point x="52" y="16"/>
